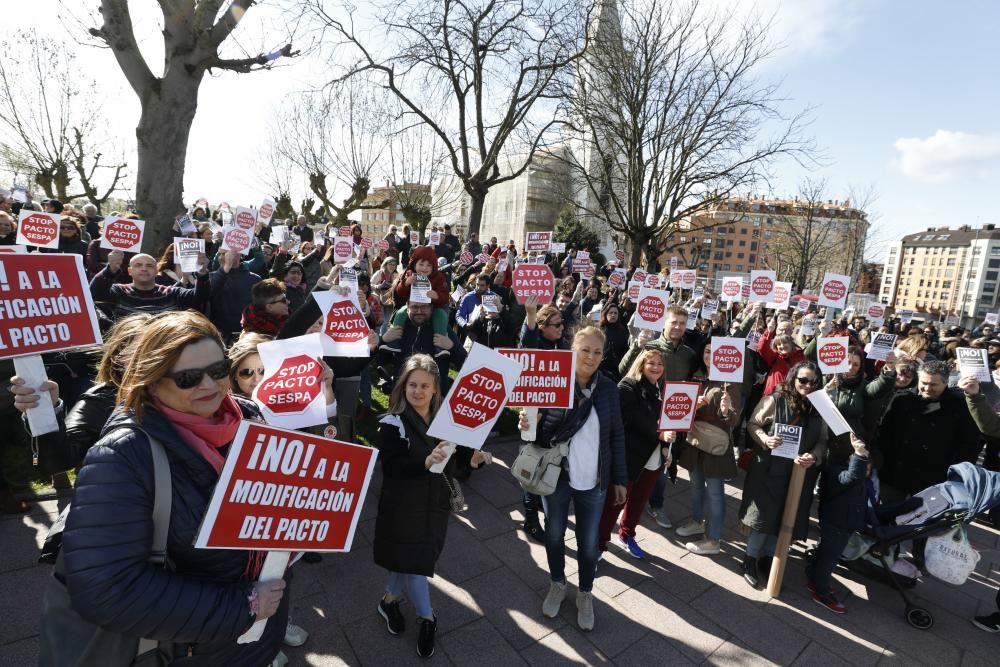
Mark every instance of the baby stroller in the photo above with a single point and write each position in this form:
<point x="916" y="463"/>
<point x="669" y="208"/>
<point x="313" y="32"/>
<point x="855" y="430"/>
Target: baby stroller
<point x="968" y="492"/>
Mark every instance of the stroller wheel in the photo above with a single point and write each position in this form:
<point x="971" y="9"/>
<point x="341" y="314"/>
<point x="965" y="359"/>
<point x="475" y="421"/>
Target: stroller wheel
<point x="919" y="618"/>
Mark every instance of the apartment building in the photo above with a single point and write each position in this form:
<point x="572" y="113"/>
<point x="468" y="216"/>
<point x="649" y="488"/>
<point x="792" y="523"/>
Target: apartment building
<point x="376" y="221"/>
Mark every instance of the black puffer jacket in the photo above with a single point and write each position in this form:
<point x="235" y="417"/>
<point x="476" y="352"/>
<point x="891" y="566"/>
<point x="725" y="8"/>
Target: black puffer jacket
<point x="640" y="402"/>
<point x="202" y="605"/>
<point x="87" y="418"/>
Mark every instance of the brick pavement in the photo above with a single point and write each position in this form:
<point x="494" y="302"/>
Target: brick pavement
<point x="674" y="608"/>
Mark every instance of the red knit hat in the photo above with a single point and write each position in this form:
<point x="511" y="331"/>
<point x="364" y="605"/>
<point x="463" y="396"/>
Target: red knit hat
<point x="424" y="252"/>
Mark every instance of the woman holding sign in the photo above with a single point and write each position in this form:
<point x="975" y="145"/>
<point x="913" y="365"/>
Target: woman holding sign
<point x="175" y="388"/>
<point x="415" y="504"/>
<point x="594" y="467"/>
<point x="786" y="431"/>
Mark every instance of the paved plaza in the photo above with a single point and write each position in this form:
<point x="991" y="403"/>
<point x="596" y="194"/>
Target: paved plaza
<point x="674" y="608"/>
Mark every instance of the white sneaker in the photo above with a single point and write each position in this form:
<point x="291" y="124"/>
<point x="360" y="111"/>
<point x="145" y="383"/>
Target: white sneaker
<point x="554" y="599"/>
<point x="705" y="547"/>
<point x="280" y="660"/>
<point x="691" y="527"/>
<point x="295" y="635"/>
<point x="660" y="517"/>
<point x="585" y="610"/>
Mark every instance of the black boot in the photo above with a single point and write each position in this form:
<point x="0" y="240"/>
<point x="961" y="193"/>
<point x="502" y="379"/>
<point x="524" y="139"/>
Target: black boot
<point x="425" y="640"/>
<point x="750" y="573"/>
<point x="764" y="569"/>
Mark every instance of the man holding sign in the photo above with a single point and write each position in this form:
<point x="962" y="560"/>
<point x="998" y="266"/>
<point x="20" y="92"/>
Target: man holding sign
<point x="143" y="295"/>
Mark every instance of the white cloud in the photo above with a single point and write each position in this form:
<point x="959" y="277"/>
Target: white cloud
<point x="948" y="156"/>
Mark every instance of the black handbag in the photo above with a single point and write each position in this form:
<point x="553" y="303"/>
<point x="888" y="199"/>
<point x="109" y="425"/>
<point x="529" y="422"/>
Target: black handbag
<point x="68" y="640"/>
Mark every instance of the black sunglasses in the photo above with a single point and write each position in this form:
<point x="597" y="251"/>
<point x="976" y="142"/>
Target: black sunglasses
<point x="802" y="380"/>
<point x="191" y="377"/>
<point x="249" y="372"/>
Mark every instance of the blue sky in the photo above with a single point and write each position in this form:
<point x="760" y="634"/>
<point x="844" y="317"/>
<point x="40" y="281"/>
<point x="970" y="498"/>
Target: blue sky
<point x="907" y="97"/>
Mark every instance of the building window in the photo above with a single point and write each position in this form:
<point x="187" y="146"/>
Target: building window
<point x="994" y="251"/>
<point x="719" y="243"/>
<point x="739" y="255"/>
<point x="951" y="262"/>
<point x="989" y="287"/>
<point x="753" y="259"/>
<point x="743" y="230"/>
<point x="946" y="284"/>
<point x="756" y="233"/>
<point x="718" y="254"/>
<point x="767" y="233"/>
<point x="742" y="243"/>
<point x="729" y="242"/>
<point x="991" y="275"/>
<point x="729" y="254"/>
<point x="753" y="245"/>
<point x="725" y="267"/>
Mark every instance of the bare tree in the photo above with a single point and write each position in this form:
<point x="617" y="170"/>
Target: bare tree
<point x="194" y="32"/>
<point x="480" y="73"/>
<point x="673" y="118"/>
<point x="50" y="129"/>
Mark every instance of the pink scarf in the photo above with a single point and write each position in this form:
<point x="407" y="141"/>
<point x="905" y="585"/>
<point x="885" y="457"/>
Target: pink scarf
<point x="206" y="435"/>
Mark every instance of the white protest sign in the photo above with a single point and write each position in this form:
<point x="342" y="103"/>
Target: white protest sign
<point x="279" y="234"/>
<point x="345" y="330"/>
<point x="38" y="229"/>
<point x="732" y="289"/>
<point x="828" y="411"/>
<point x="782" y="296"/>
<point x="348" y="277"/>
<point x="185" y="225"/>
<point x="581" y="261"/>
<point x="557" y="247"/>
<point x="791" y="439"/>
<point x="13" y="248"/>
<point x="905" y="316"/>
<point x="762" y="284"/>
<point x="476" y="398"/>
<point x="709" y="307"/>
<point x="435" y="238"/>
<point x="833" y="293"/>
<point x="419" y="288"/>
<point x="753" y="340"/>
<point x="651" y="308"/>
<point x="187" y="252"/>
<point x="876" y="314"/>
<point x="992" y="318"/>
<point x="266" y="211"/>
<point x="692" y="321"/>
<point x="803" y="305"/>
<point x="122" y="234"/>
<point x="673" y="264"/>
<point x="236" y="239"/>
<point x="697" y="292"/>
<point x="245" y="218"/>
<point x="831" y="353"/>
<point x="343" y="249"/>
<point x="728" y="358"/>
<point x="881" y="346"/>
<point x="291" y="394"/>
<point x="633" y="290"/>
<point x="457" y="295"/>
<point x="973" y="361"/>
<point x="808" y="327"/>
<point x="680" y="402"/>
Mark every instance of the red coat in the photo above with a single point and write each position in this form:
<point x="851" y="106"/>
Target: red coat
<point x="438" y="282"/>
<point x="778" y="364"/>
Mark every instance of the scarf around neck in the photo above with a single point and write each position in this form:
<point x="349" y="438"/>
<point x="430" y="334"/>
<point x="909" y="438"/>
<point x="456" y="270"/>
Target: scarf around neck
<point x="259" y="321"/>
<point x="206" y="435"/>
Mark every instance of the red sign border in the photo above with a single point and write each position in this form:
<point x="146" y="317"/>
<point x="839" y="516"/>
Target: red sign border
<point x="664" y="398"/>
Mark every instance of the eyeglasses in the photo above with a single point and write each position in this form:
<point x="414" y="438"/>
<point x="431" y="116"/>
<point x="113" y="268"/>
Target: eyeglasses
<point x="191" y="377"/>
<point x="67" y="229"/>
<point x="283" y="299"/>
<point x="553" y="324"/>
<point x="802" y="380"/>
<point x="247" y="373"/>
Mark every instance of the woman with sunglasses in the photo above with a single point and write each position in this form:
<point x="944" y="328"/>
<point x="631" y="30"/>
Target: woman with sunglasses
<point x="767" y="479"/>
<point x="174" y="388"/>
<point x="267" y="311"/>
<point x="70" y="238"/>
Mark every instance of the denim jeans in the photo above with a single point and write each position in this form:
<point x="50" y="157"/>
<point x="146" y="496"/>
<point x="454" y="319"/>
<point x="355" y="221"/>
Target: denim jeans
<point x="761" y="545"/>
<point x="831" y="545"/>
<point x="716" y="502"/>
<point x="588" y="506"/>
<point x="418" y="591"/>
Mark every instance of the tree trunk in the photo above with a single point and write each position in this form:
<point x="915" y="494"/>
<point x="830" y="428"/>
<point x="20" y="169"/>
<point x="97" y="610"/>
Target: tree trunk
<point x="168" y="109"/>
<point x="477" y="200"/>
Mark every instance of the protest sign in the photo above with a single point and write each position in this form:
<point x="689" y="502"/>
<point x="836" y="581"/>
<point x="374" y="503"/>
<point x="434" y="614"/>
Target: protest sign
<point x="414" y="238"/>
<point x="808" y="327"/>
<point x="343" y="250"/>
<point x="728" y="358"/>
<point x="548" y="378"/>
<point x="530" y="280"/>
<point x="344" y="231"/>
<point x="419" y="288"/>
<point x="639" y="276"/>
<point x="732" y="289"/>
<point x="466" y="258"/>
<point x="692" y="321"/>
<point x="291" y="394"/>
<point x="280" y="234"/>
<point x="683" y="278"/>
<point x="557" y="247"/>
<point x="654" y="280"/>
<point x="476" y="398"/>
<point x="348" y="277"/>
<point x="13" y="248"/>
<point x="287" y="490"/>
<point x="753" y="340"/>
<point x="791" y="439"/>
<point x="435" y="238"/>
<point x="502" y="266"/>
<point x="831" y="353"/>
<point x="828" y="410"/>
<point x="457" y="295"/>
<point x="187" y="253"/>
<point x="617" y="278"/>
<point x="345" y="330"/>
<point x="236" y="239"/>
<point x="833" y="293"/>
<point x="745" y="291"/>
<point x="38" y="229"/>
<point x="122" y="234"/>
<point x="588" y="272"/>
<point x="245" y="218"/>
<point x="881" y="345"/>
<point x="620" y="255"/>
<point x="762" y="284"/>
<point x="581" y="261"/>
<point x="19" y="193"/>
<point x="680" y="402"/>
<point x="973" y="362"/>
<point x="782" y="296"/>
<point x="633" y="290"/>
<point x="266" y="211"/>
<point x="992" y="318"/>
<point x="905" y="316"/>
<point x="803" y="305"/>
<point x="538" y="241"/>
<point x="367" y="243"/>
<point x="484" y="258"/>
<point x="651" y="309"/>
<point x="186" y="226"/>
<point x="382" y="244"/>
<point x="876" y="314"/>
<point x="673" y="264"/>
<point x="709" y="307"/>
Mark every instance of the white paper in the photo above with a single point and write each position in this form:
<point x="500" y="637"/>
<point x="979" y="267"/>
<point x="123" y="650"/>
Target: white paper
<point x="281" y="381"/>
<point x="692" y="321"/>
<point x="266" y="211"/>
<point x="973" y="362"/>
<point x="418" y="290"/>
<point x="651" y="309"/>
<point x="728" y="359"/>
<point x="875" y="314"/>
<point x="732" y="289"/>
<point x="476" y="398"/>
<point x="833" y="293"/>
<point x="41" y="418"/>
<point x="187" y="252"/>
<point x="345" y="330"/>
<point x="828" y="411"/>
<point x="557" y="247"/>
<point x="697" y="292"/>
<point x="709" y="307"/>
<point x="791" y="440"/>
<point x="762" y="284"/>
<point x="831" y="353"/>
<point x="279" y="234"/>
<point x="803" y="305"/>
<point x="992" y="318"/>
<point x="905" y="316"/>
<point x="245" y="218"/>
<point x="457" y="295"/>
<point x="881" y="346"/>
<point x="186" y="225"/>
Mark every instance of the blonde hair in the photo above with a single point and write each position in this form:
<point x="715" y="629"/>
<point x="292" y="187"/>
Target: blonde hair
<point x="157" y="350"/>
<point x="244" y="346"/>
<point x="635" y="370"/>
<point x="912" y="346"/>
<point x="590" y="331"/>
<point x="418" y="362"/>
<point x="117" y="347"/>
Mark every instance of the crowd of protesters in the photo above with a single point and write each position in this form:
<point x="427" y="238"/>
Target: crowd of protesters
<point x="180" y="361"/>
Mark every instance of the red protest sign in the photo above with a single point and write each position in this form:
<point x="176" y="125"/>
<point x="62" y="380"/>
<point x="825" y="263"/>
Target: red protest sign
<point x="653" y="280"/>
<point x="344" y="231"/>
<point x="876" y="311"/>
<point x="266" y="211"/>
<point x="37" y="228"/>
<point x="466" y="258"/>
<point x="833" y="293"/>
<point x="731" y="288"/>
<point x="484" y="258"/>
<point x="620" y="255"/>
<point x="761" y="286"/>
<point x="588" y="271"/>
<point x="616" y="279"/>
<point x="538" y="241"/>
<point x="478" y="398"/>
<point x="122" y="234"/>
<point x="680" y="402"/>
<point x="343" y="250"/>
<point x="345" y="330"/>
<point x="236" y="239"/>
<point x="533" y="280"/>
<point x="45" y="305"/>
<point x="745" y="291"/>
<point x="292" y="388"/>
<point x="728" y="356"/>
<point x="639" y="276"/>
<point x="633" y="290"/>
<point x="547" y="378"/>
<point x="651" y="308"/>
<point x="383" y="244"/>
<point x="287" y="491"/>
<point x="366" y="243"/>
<point x="831" y="353"/>
<point x="244" y="218"/>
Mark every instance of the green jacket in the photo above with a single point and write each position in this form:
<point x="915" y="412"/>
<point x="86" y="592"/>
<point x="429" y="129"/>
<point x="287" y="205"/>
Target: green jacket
<point x="986" y="418"/>
<point x="679" y="362"/>
<point x="854" y="397"/>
